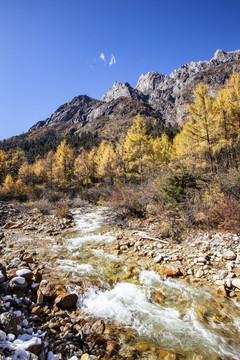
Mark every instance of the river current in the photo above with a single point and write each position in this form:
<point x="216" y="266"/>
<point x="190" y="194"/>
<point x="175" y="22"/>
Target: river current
<point x="158" y="316"/>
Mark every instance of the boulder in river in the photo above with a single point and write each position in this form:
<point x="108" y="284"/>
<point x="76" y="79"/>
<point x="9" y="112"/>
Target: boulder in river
<point x="66" y="301"/>
<point x="170" y="270"/>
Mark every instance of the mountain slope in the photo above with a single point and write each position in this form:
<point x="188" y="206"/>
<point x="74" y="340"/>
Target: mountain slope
<point x="156" y="96"/>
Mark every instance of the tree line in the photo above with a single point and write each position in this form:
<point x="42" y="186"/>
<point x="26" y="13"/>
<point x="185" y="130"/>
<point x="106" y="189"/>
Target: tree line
<point x="205" y="151"/>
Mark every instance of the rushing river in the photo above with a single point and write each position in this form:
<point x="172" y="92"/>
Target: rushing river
<point x="150" y="313"/>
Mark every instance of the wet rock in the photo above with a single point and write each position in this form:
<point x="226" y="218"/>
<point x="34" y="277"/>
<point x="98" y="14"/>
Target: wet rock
<point x="3" y="335"/>
<point x="18" y="283"/>
<point x="170" y="270"/>
<point x="85" y="357"/>
<point x="98" y="327"/>
<point x="8" y="322"/>
<point x="222" y="291"/>
<point x="86" y="329"/>
<point x="112" y="347"/>
<point x="66" y="301"/>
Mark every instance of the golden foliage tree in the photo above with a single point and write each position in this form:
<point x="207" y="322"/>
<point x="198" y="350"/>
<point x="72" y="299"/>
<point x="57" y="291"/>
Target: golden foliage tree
<point x="160" y="151"/>
<point x="194" y="145"/>
<point x="84" y="166"/>
<point x="15" y="160"/>
<point x="63" y="163"/>
<point x="3" y="165"/>
<point x="136" y="149"/>
<point x="106" y="162"/>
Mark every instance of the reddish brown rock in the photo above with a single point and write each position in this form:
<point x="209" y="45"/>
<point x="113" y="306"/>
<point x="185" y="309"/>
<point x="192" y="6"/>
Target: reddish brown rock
<point x="66" y="301"/>
<point x="47" y="289"/>
<point x="222" y="291"/>
<point x="170" y="270"/>
<point x="37" y="310"/>
<point x="11" y="273"/>
<point x="112" y="347"/>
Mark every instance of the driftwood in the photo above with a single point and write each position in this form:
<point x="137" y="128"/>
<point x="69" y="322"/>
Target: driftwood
<point x="144" y="235"/>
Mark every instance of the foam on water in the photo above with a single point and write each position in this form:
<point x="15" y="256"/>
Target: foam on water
<point x="181" y="322"/>
<point x="131" y="306"/>
<point x="78" y="242"/>
<point x="101" y="253"/>
<point x="73" y="266"/>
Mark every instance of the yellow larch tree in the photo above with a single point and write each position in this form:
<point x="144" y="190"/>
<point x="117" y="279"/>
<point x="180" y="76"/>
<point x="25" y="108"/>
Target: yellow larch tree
<point x="198" y="133"/>
<point x="9" y="184"/>
<point x="106" y="162"/>
<point x="160" y="151"/>
<point x="63" y="163"/>
<point x="26" y="174"/>
<point x="84" y="167"/>
<point x="15" y="160"/>
<point x="3" y="165"/>
<point x="136" y="148"/>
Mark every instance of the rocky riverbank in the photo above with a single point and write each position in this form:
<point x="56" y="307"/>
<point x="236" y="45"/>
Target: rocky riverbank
<point x="201" y="257"/>
<point x="40" y="320"/>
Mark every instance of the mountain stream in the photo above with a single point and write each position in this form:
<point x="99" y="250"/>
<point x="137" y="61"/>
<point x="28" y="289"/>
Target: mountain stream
<point x="153" y="317"/>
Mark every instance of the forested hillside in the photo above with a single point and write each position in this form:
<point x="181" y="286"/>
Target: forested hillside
<point x="193" y="173"/>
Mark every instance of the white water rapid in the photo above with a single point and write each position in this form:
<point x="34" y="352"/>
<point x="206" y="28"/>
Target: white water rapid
<point x="166" y="313"/>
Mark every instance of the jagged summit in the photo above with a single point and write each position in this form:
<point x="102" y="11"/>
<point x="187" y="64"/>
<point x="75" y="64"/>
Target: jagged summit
<point x="163" y="97"/>
<point x="120" y="90"/>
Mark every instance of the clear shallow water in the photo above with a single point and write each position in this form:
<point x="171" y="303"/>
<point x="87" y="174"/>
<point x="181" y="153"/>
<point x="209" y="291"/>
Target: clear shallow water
<point x="164" y="313"/>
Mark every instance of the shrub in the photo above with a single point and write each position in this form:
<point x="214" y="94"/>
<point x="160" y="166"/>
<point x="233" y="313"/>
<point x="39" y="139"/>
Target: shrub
<point x="44" y="206"/>
<point x="128" y="203"/>
<point x="175" y="188"/>
<point x="61" y="211"/>
<point x="227" y="215"/>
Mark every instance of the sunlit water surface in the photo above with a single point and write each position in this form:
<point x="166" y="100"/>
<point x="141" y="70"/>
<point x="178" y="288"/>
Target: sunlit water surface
<point x="165" y="314"/>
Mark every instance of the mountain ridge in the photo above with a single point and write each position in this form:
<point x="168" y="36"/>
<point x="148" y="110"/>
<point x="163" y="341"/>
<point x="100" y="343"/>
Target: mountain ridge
<point x="155" y="96"/>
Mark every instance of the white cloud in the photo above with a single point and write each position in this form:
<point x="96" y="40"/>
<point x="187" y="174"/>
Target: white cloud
<point x="112" y="61"/>
<point x="102" y="57"/>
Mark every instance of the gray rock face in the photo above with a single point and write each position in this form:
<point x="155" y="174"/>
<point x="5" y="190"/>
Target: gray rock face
<point x="74" y="111"/>
<point x="164" y="96"/>
<point x="8" y="322"/>
<point x="120" y="90"/>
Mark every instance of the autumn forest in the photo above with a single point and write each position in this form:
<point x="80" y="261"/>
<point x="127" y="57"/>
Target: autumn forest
<point x="193" y="176"/>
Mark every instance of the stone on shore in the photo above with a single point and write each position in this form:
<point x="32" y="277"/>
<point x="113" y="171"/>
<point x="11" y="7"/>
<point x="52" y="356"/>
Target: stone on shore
<point x="66" y="301"/>
<point x="229" y="255"/>
<point x="18" y="283"/>
<point x="236" y="283"/>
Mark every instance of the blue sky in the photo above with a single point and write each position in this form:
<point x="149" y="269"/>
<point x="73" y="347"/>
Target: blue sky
<point x="53" y="50"/>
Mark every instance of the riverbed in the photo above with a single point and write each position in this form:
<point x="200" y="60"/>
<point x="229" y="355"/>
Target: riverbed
<point x="151" y="316"/>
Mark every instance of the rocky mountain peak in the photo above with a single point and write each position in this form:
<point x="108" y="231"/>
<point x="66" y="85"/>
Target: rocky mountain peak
<point x="120" y="90"/>
<point x="223" y="56"/>
<point x="160" y="96"/>
<point x="148" y="81"/>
